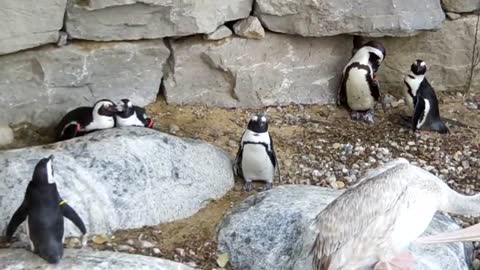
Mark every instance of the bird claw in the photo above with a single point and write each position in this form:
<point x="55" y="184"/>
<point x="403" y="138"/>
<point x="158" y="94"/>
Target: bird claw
<point x="248" y="186"/>
<point x="268" y="186"/>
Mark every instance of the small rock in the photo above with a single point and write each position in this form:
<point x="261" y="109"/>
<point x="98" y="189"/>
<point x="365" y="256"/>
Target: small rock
<point x="100" y="239"/>
<point x="476" y="264"/>
<point x="465" y="164"/>
<point x="336" y="145"/>
<point x="6" y="135"/>
<point x="410" y="143"/>
<point x="72" y="242"/>
<point x="180" y="252"/>
<point x="124" y="248"/>
<point x="174" y="128"/>
<point x="397" y="103"/>
<point x="156" y="251"/>
<point x="130" y="242"/>
<point x="453" y="16"/>
<point x="221" y="33"/>
<point x="143" y="244"/>
<point x="471" y="106"/>
<point x="340" y="184"/>
<point x="62" y="39"/>
<point x="249" y="28"/>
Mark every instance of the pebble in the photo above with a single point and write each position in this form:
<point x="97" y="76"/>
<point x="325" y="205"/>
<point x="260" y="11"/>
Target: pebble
<point x="174" y="128"/>
<point x="180" y="252"/>
<point x="411" y="143"/>
<point x="143" y="244"/>
<point x="156" y="251"/>
<point x="340" y="184"/>
<point x="476" y="264"/>
<point x="124" y="248"/>
<point x="336" y="145"/>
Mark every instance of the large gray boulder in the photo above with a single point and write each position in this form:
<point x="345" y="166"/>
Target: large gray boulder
<point x="41" y="85"/>
<point x="75" y="259"/>
<point x="461" y="6"/>
<point x="122" y="178"/>
<point x="148" y="19"/>
<point x="270" y="230"/>
<point x="369" y="18"/>
<point x="29" y="23"/>
<point x="238" y="72"/>
<point x="448" y="54"/>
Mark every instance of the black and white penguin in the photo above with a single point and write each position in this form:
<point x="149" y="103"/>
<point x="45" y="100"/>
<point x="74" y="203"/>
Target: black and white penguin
<point x="130" y="115"/>
<point x="83" y="120"/>
<point x="359" y="90"/>
<point x="43" y="210"/>
<point x="256" y="158"/>
<point x="421" y="100"/>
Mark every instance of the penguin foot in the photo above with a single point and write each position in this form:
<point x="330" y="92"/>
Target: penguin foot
<point x="268" y="186"/>
<point x="355" y="115"/>
<point x="369" y="117"/>
<point x="248" y="186"/>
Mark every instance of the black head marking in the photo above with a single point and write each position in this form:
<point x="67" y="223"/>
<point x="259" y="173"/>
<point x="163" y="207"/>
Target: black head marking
<point x="105" y="107"/>
<point x="43" y="172"/>
<point x="258" y="123"/>
<point x="419" y="67"/>
<point x="125" y="108"/>
<point x="376" y="45"/>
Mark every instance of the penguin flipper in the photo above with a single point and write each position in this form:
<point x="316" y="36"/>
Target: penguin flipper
<point x="18" y="217"/>
<point x="273" y="159"/>
<point x="237" y="163"/>
<point x="342" y="92"/>
<point x="69" y="131"/>
<point x="69" y="213"/>
<point x="419" y="111"/>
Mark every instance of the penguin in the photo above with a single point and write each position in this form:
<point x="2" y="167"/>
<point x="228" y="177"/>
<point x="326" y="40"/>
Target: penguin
<point x="130" y="115"/>
<point x="43" y="210"/>
<point x="420" y="98"/>
<point x="83" y="120"/>
<point x="256" y="158"/>
<point x="359" y="89"/>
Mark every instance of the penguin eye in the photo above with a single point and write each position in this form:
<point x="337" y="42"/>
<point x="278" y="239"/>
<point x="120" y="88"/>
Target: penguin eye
<point x="264" y="119"/>
<point x="255" y="118"/>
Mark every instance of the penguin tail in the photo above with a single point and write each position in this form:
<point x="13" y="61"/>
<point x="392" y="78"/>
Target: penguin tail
<point x="440" y="127"/>
<point x="471" y="233"/>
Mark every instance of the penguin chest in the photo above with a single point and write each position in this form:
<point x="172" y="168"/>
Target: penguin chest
<point x="131" y="121"/>
<point x="256" y="163"/>
<point x="359" y="97"/>
<point x="101" y="122"/>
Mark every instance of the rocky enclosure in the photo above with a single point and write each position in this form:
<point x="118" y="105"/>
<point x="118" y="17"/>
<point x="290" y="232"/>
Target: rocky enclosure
<point x="251" y="69"/>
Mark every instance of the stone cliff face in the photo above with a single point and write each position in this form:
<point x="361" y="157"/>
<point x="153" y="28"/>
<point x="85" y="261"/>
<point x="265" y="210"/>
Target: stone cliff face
<point x="126" y="48"/>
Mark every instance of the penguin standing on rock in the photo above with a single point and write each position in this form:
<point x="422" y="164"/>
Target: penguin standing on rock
<point x="421" y="99"/>
<point x="256" y="158"/>
<point x="359" y="90"/>
<point x="43" y="210"/>
<point x="130" y="115"/>
<point x="83" y="120"/>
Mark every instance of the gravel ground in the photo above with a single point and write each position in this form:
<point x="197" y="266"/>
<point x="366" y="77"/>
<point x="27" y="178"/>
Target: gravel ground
<point x="316" y="145"/>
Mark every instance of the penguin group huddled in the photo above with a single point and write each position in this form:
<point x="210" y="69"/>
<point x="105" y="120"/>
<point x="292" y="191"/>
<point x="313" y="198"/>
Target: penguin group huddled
<point x="43" y="208"/>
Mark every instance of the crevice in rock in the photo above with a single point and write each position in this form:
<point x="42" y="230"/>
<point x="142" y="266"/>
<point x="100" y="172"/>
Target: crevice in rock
<point x="63" y="31"/>
<point x="475" y="56"/>
<point x="168" y="69"/>
<point x="229" y="75"/>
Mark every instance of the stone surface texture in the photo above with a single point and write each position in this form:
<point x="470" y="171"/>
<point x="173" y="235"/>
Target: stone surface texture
<point x="448" y="54"/>
<point x="122" y="178"/>
<point x="367" y="18"/>
<point x="6" y="135"/>
<point x="270" y="230"/>
<point x="238" y="72"/>
<point x="249" y="28"/>
<point x="40" y="86"/>
<point x="29" y="23"/>
<point x="74" y="259"/>
<point x="461" y="6"/>
<point x="221" y="33"/>
<point x="148" y="19"/>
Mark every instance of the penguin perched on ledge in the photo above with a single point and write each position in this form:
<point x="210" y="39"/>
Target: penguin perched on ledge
<point x="421" y="100"/>
<point x="359" y="90"/>
<point x="83" y="120"/>
<point x="129" y="115"/>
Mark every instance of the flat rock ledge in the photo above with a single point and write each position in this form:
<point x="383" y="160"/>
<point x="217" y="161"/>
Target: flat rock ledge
<point x="82" y="259"/>
<point x="122" y="178"/>
<point x="269" y="230"/>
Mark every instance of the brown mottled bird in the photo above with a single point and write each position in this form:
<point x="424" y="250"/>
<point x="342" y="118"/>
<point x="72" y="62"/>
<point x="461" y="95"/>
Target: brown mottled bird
<point x="373" y="223"/>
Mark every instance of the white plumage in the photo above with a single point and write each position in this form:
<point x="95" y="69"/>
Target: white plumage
<point x="256" y="163"/>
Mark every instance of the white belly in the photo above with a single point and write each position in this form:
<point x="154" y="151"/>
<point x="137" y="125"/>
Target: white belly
<point x="132" y="121"/>
<point x="359" y="97"/>
<point x="256" y="164"/>
<point x="408" y="101"/>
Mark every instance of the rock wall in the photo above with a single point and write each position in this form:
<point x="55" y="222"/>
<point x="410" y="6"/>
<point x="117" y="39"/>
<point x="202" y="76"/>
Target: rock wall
<point x="126" y="48"/>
